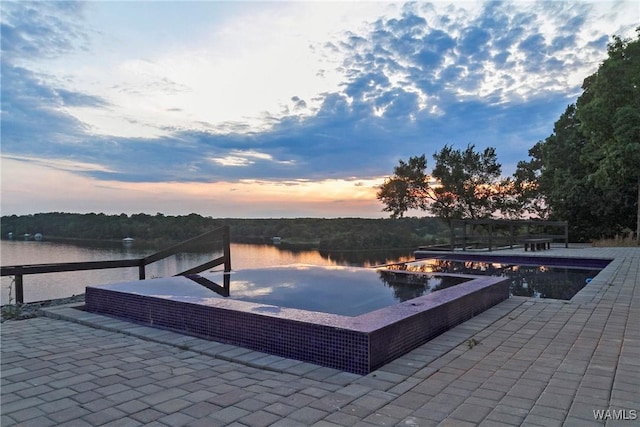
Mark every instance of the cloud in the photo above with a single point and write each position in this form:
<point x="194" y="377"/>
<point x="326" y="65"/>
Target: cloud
<point x="60" y="164"/>
<point x="41" y="29"/>
<point x="295" y="107"/>
<point x="33" y="117"/>
<point x="246" y="158"/>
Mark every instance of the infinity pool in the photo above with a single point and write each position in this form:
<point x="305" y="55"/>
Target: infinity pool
<point x="349" y="318"/>
<point x="353" y="319"/>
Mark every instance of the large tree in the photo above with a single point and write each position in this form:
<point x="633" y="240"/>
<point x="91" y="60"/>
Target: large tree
<point x="470" y="184"/>
<point x="407" y="189"/>
<point x="588" y="170"/>
<point x="463" y="184"/>
<point x="609" y="113"/>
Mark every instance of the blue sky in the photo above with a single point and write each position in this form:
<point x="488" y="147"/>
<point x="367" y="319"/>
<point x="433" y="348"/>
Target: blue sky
<point x="275" y="109"/>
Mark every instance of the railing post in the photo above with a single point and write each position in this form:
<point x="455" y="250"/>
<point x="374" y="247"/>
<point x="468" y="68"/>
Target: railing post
<point x="226" y="243"/>
<point x="19" y="289"/>
<point x="490" y="236"/>
<point x="141" y="272"/>
<point x="452" y="235"/>
<point x="513" y="235"/>
<point x="464" y="235"/>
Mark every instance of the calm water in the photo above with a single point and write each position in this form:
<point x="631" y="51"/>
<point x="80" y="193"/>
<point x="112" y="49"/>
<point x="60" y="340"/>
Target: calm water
<point x="348" y="291"/>
<point x="537" y="281"/>
<point x="59" y="285"/>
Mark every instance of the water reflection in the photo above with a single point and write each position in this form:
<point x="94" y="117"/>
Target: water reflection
<point x="371" y="258"/>
<point x="536" y="281"/>
<point x="348" y="291"/>
<point x="57" y="285"/>
<point x="407" y="286"/>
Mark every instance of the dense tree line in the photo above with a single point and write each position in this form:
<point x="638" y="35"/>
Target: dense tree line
<point x="159" y="229"/>
<point x="586" y="172"/>
<point x="100" y="226"/>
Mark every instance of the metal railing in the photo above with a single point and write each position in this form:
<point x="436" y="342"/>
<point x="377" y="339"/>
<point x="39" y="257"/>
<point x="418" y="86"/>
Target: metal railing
<point x="18" y="271"/>
<point x="495" y="232"/>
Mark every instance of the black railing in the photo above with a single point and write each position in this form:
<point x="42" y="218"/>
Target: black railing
<point x="493" y="233"/>
<point x="18" y="271"/>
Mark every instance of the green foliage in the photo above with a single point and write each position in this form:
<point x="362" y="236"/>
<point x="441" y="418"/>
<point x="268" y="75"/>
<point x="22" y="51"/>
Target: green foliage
<point x="152" y="229"/>
<point x="349" y="234"/>
<point x="588" y="171"/>
<point x="468" y="186"/>
<point x="528" y="184"/>
<point x="11" y="310"/>
<point x="472" y="342"/>
<point x="609" y="113"/>
<point x="407" y="189"/>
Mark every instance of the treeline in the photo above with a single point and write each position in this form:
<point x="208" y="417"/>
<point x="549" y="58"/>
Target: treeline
<point x="159" y="229"/>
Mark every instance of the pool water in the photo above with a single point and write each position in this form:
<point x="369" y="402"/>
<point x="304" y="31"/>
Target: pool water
<point x="347" y="291"/>
<point x="526" y="279"/>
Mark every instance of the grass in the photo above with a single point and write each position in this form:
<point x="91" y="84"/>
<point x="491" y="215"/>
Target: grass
<point x="472" y="342"/>
<point x="625" y="240"/>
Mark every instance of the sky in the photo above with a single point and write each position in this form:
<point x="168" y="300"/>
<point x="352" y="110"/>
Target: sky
<point x="275" y="109"/>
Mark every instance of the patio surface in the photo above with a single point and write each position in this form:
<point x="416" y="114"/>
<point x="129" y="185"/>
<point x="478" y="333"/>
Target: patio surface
<point x="522" y="362"/>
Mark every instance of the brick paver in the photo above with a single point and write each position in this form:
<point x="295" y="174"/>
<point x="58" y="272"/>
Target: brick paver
<point x="535" y="362"/>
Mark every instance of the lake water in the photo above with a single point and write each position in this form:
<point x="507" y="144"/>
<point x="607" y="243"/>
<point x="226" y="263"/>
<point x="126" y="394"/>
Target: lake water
<point x="243" y="256"/>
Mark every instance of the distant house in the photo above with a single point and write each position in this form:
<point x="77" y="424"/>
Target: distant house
<point x="276" y="240"/>
<point x="127" y="240"/>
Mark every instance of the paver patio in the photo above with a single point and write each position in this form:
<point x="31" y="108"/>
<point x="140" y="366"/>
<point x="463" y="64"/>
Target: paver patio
<point x="522" y="362"/>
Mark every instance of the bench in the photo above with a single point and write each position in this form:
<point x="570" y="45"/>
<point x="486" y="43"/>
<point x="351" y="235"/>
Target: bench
<point x="538" y="244"/>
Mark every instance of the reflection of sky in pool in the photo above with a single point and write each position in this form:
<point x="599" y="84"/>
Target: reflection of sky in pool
<point x="529" y="280"/>
<point x="348" y="291"/>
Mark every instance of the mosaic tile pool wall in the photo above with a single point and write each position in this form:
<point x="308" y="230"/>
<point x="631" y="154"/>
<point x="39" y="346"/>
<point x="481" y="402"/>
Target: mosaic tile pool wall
<point x="357" y="344"/>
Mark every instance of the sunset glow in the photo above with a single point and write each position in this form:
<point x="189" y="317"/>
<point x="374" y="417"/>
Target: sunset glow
<point x="275" y="109"/>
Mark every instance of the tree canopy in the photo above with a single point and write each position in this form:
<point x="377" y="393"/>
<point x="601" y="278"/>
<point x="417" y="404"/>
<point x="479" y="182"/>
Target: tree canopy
<point x="463" y="184"/>
<point x="588" y="170"/>
<point x="470" y="184"/>
<point x="407" y="189"/>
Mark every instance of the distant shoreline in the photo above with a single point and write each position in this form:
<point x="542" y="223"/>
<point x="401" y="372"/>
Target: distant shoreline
<point x="157" y="231"/>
